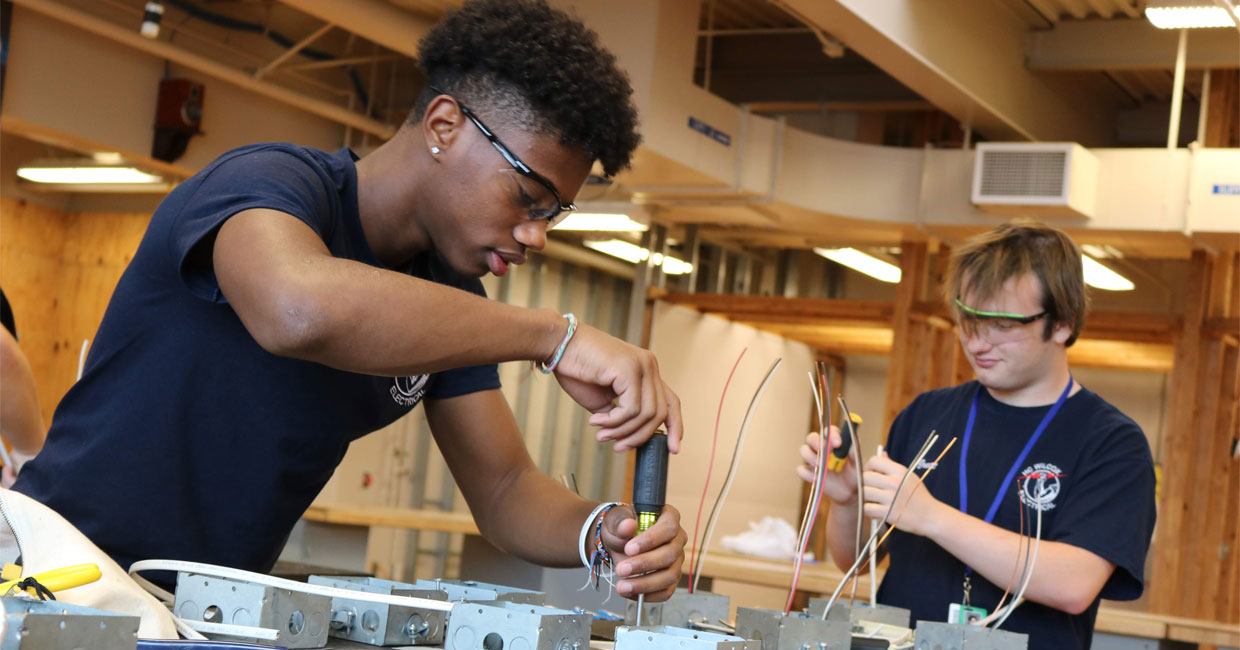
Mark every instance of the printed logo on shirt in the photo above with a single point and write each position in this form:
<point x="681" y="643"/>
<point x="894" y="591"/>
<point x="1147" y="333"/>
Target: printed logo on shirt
<point x="926" y="464"/>
<point x="1039" y="486"/>
<point x="408" y="391"/>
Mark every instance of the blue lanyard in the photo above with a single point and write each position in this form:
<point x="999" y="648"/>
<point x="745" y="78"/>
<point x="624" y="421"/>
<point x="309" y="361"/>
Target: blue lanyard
<point x="1011" y="474"/>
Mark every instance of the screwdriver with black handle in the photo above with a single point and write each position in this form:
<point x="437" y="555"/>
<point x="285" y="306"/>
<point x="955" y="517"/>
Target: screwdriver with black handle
<point x="839" y="455"/>
<point x="649" y="489"/>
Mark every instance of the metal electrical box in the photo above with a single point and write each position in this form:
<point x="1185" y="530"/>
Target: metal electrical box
<point x="796" y="631"/>
<point x="514" y="626"/>
<point x="932" y="636"/>
<point x="662" y="637"/>
<point x="860" y="611"/>
<point x="379" y="623"/>
<point x="51" y="625"/>
<point x="472" y="590"/>
<point x="300" y="620"/>
<point x="681" y="610"/>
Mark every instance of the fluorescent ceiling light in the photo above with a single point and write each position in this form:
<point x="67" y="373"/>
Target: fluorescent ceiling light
<point x="1100" y="277"/>
<point x="858" y="261"/>
<point x="87" y="175"/>
<point x="600" y="222"/>
<point x="1187" y="15"/>
<point x="633" y="254"/>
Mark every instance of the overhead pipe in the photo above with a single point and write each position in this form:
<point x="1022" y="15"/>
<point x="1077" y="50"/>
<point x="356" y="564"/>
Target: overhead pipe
<point x="1177" y="92"/>
<point x="202" y="64"/>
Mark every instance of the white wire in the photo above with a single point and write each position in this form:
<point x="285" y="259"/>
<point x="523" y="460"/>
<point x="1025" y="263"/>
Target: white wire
<point x="873" y="554"/>
<point x="816" y="484"/>
<point x="187" y="631"/>
<point x="280" y="583"/>
<point x="723" y="496"/>
<point x="1020" y="595"/>
<point x="861" y="553"/>
<point x="1024" y="547"/>
<point x="82" y="357"/>
<point x="229" y="629"/>
<point x="814" y="492"/>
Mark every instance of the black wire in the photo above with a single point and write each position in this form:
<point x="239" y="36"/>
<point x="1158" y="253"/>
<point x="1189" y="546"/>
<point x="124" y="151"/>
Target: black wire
<point x="41" y="591"/>
<point x="697" y="570"/>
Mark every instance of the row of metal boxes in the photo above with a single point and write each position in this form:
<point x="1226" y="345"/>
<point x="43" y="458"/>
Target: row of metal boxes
<point x="483" y="617"/>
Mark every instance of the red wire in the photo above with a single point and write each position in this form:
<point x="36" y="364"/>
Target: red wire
<point x="711" y="464"/>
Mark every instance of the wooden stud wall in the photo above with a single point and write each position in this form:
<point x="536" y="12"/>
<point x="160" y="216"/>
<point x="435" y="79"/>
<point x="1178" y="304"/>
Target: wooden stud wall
<point x="58" y="269"/>
<point x="1195" y="544"/>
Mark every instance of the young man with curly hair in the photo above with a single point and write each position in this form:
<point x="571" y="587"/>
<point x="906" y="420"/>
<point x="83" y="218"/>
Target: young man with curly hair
<point x="1030" y="439"/>
<point x="286" y="301"/>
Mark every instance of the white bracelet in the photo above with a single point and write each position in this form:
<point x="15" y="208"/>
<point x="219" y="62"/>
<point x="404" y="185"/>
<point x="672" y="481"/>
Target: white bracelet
<point x="585" y="530"/>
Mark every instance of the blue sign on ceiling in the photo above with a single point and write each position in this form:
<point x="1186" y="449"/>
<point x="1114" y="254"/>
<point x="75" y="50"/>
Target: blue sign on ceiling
<point x="710" y="131"/>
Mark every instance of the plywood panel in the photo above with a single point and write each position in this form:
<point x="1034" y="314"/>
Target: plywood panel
<point x="31" y="241"/>
<point x="59" y="270"/>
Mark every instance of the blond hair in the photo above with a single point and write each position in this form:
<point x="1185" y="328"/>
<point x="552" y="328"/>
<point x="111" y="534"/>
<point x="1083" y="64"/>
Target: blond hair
<point x="987" y="261"/>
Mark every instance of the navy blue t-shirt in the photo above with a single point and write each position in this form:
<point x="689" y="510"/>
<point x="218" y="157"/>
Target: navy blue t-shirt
<point x="184" y="439"/>
<point x="1096" y="488"/>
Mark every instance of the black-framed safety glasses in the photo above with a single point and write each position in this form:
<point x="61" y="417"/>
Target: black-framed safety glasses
<point x="995" y="326"/>
<point x="999" y="315"/>
<point x="548" y="213"/>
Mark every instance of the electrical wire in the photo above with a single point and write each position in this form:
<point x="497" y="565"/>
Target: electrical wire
<point x="1021" y="551"/>
<point x="892" y="528"/>
<point x="711" y="463"/>
<point x="1033" y="560"/>
<point x="920" y="481"/>
<point x="861" y="552"/>
<point x="815" y="484"/>
<point x="856" y="452"/>
<point x="814" y="502"/>
<point x="819" y="475"/>
<point x="727" y="481"/>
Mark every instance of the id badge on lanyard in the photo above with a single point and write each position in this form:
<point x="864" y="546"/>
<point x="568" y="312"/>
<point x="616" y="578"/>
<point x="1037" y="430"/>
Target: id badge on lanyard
<point x="963" y="612"/>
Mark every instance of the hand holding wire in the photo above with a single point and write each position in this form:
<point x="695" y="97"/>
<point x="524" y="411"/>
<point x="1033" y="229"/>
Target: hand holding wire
<point x="647" y="563"/>
<point x="841" y="486"/>
<point x="915" y="510"/>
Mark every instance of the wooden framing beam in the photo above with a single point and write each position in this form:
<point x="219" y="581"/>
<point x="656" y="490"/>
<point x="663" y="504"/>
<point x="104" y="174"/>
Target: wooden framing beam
<point x="1117" y="340"/>
<point x="743" y="307"/>
<point x="1178" y="457"/>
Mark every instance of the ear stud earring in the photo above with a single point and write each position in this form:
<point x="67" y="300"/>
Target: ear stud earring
<point x="435" y="151"/>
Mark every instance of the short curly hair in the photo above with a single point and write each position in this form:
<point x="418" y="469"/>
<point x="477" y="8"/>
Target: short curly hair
<point x="537" y="66"/>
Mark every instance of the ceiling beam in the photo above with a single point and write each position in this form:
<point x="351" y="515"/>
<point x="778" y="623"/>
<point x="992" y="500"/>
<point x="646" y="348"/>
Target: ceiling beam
<point x="968" y="58"/>
<point x="376" y="21"/>
<point x="1128" y="44"/>
<point x="225" y="73"/>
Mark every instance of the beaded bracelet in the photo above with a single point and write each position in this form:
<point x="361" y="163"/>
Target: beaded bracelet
<point x="600" y="558"/>
<point x="548" y="368"/>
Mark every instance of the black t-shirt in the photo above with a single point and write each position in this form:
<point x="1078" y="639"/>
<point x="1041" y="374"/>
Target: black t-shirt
<point x="185" y="439"/>
<point x="6" y="315"/>
<point x="1096" y="487"/>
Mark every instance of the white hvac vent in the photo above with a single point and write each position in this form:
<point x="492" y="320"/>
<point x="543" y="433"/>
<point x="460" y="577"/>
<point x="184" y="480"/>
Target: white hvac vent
<point x="1035" y="178"/>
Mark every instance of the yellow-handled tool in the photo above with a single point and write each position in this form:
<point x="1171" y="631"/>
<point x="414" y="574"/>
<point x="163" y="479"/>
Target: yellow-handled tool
<point x="55" y="580"/>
